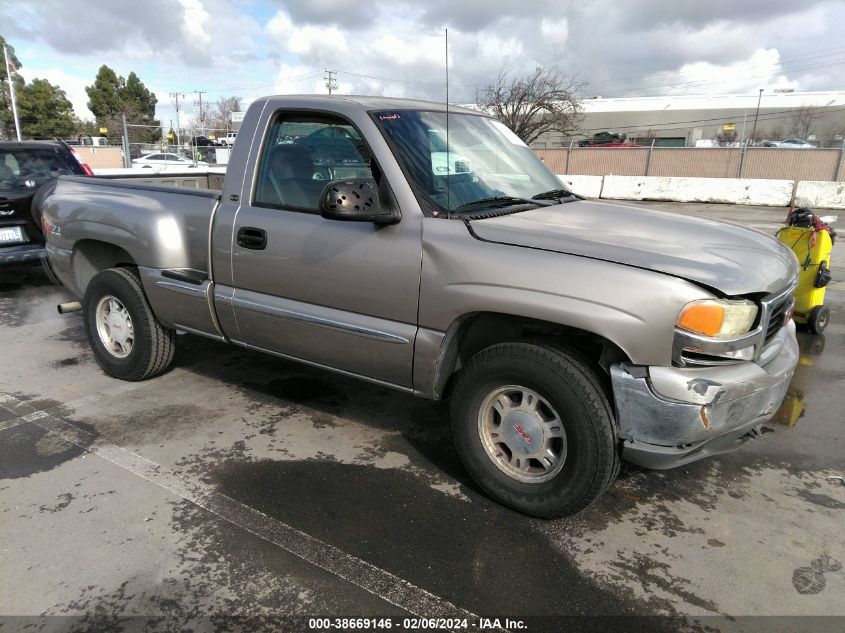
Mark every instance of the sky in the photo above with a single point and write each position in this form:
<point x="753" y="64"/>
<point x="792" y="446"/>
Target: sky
<point x="250" y="48"/>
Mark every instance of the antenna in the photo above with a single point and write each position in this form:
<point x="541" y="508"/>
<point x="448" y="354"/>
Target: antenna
<point x="448" y="155"/>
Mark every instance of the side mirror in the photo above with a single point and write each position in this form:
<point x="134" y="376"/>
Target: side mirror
<point x="357" y="200"/>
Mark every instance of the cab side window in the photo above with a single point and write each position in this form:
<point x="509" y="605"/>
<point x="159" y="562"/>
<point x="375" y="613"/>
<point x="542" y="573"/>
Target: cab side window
<point x="302" y="153"/>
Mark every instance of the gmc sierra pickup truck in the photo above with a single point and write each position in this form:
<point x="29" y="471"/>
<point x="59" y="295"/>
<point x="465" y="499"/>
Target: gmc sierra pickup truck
<point x="429" y="250"/>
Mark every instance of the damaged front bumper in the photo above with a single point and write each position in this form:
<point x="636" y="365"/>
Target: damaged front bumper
<point x="670" y="416"/>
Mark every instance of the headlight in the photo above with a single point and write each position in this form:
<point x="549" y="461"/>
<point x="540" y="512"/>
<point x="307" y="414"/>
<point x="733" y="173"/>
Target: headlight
<point x="718" y="318"/>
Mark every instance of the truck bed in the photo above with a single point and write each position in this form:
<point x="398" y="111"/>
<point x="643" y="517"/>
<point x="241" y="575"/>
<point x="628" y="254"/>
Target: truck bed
<point x="161" y="226"/>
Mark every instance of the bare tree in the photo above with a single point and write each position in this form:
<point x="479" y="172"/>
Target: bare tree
<point x="774" y="132"/>
<point x="544" y="101"/>
<point x="803" y="120"/>
<point x="726" y="137"/>
<point x="220" y="115"/>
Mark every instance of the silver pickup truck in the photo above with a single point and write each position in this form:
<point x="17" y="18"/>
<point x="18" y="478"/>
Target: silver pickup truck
<point x="432" y="252"/>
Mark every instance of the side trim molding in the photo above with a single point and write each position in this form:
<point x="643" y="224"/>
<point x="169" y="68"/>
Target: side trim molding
<point x="319" y="321"/>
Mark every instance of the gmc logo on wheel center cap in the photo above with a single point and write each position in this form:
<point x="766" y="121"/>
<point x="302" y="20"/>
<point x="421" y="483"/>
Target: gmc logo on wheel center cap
<point x="525" y="437"/>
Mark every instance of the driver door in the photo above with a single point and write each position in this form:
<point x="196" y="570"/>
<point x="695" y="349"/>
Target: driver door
<point x="333" y="293"/>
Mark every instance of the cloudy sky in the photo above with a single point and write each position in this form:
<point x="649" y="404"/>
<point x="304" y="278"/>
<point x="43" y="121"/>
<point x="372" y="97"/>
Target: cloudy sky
<point x="253" y="47"/>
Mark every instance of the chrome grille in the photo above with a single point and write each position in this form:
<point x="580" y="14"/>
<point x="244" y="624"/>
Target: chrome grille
<point x="777" y="315"/>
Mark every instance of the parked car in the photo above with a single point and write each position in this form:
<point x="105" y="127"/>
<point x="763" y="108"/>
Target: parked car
<point x="166" y="159"/>
<point x="569" y="334"/>
<point x="27" y="169"/>
<point x="201" y="141"/>
<point x="229" y="139"/>
<point x="793" y="143"/>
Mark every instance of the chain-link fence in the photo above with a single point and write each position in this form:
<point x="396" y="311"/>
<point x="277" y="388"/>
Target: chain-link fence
<point x="161" y="145"/>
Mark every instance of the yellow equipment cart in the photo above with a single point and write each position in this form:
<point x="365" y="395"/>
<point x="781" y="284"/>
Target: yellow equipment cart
<point x="810" y="239"/>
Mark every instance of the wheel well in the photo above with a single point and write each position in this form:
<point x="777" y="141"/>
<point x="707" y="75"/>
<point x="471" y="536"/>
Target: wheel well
<point x="93" y="256"/>
<point x="472" y="333"/>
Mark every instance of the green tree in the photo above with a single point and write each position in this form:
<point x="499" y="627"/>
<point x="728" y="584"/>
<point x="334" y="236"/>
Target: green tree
<point x="104" y="97"/>
<point x="7" y="121"/>
<point x="45" y="111"/>
<point x="112" y="97"/>
<point x="139" y="99"/>
<point x="86" y="127"/>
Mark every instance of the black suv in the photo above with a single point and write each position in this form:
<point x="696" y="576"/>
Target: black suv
<point x="202" y="141"/>
<point x="27" y="169"/>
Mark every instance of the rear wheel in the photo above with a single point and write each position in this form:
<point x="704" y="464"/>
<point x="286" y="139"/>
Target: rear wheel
<point x="534" y="428"/>
<point x="818" y="319"/>
<point x="127" y="340"/>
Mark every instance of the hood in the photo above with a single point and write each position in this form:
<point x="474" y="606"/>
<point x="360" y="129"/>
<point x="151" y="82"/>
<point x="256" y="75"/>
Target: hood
<point x="724" y="256"/>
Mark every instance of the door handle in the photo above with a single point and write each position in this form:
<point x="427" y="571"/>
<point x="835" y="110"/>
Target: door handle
<point x="250" y="237"/>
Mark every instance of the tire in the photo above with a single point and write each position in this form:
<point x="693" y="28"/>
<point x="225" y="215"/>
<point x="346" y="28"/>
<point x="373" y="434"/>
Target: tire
<point x="146" y="350"/>
<point x="818" y="319"/>
<point x="570" y="394"/>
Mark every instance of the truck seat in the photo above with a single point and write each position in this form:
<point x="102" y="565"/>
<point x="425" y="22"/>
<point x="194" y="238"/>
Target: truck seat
<point x="288" y="179"/>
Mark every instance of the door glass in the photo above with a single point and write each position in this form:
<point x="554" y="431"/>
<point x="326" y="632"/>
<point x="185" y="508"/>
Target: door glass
<point x="301" y="153"/>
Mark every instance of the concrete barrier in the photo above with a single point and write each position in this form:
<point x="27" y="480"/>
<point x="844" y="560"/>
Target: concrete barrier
<point x="775" y="193"/>
<point x="818" y="194"/>
<point x="587" y="186"/>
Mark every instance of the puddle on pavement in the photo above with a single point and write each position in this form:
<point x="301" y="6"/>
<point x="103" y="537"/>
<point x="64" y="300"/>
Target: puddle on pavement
<point x="28" y="449"/>
<point x="794" y="407"/>
<point x="147" y="426"/>
<point x="472" y="552"/>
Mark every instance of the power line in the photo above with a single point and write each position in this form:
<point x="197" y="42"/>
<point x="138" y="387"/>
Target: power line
<point x="253" y="86"/>
<point x="782" y="62"/>
<point x="634" y="89"/>
<point x="404" y="81"/>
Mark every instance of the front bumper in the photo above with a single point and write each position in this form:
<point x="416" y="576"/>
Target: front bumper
<point x="670" y="416"/>
<point x="21" y="253"/>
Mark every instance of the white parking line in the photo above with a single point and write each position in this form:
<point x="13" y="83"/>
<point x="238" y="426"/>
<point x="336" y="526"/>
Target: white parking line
<point x="377" y="581"/>
<point x="10" y="403"/>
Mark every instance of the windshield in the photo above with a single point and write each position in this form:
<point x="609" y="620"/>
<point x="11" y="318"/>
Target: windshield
<point x="31" y="167"/>
<point x="485" y="160"/>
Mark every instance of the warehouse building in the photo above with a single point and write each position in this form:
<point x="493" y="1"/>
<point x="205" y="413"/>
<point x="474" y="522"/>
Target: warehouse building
<point x="682" y="120"/>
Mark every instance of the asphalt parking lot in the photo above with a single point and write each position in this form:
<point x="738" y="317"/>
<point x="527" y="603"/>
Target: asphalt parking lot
<point x="241" y="485"/>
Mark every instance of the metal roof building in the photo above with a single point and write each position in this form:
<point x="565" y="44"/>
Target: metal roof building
<point x="685" y="119"/>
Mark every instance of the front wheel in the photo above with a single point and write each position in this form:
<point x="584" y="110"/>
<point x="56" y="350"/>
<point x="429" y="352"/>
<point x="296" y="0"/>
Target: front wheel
<point x="127" y="340"/>
<point x="534" y="428"/>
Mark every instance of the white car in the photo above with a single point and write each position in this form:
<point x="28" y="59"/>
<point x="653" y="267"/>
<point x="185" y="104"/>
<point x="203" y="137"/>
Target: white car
<point x="794" y="143"/>
<point x="167" y="160"/>
<point x="229" y="139"/>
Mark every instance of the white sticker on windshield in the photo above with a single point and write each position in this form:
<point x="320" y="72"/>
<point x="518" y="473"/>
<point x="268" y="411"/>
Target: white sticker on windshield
<point x="504" y="129"/>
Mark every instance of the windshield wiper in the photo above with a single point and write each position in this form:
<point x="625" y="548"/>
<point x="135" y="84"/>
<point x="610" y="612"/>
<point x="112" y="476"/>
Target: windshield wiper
<point x="495" y="201"/>
<point x="553" y="194"/>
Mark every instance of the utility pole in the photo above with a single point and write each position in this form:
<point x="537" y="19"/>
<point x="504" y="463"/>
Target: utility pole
<point x="12" y="93"/>
<point x="756" y="114"/>
<point x="127" y="155"/>
<point x="200" y="93"/>
<point x="175" y="97"/>
<point x="331" y="82"/>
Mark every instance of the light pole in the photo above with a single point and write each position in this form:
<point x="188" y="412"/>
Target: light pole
<point x="756" y="114"/>
<point x="12" y="93"/>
